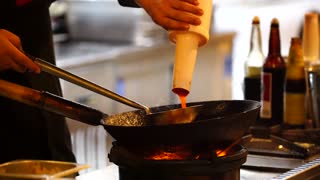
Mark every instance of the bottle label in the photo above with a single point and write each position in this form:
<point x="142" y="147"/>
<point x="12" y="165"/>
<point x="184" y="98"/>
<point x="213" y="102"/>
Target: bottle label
<point x="266" y="95"/>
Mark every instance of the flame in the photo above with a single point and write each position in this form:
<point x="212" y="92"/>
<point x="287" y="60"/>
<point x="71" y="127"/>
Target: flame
<point x="183" y="154"/>
<point x="166" y="156"/>
<point x="221" y="153"/>
<point x="170" y="153"/>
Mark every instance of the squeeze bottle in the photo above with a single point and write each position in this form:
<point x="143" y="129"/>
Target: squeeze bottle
<point x="187" y="43"/>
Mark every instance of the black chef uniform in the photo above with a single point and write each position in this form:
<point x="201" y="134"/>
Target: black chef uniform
<point x="27" y="132"/>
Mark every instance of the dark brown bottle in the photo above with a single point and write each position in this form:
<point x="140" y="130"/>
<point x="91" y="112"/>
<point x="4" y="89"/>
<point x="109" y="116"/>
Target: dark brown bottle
<point x="272" y="80"/>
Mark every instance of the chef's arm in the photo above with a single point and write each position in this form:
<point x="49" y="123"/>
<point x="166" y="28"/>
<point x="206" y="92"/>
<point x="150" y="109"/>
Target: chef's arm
<point x="170" y="14"/>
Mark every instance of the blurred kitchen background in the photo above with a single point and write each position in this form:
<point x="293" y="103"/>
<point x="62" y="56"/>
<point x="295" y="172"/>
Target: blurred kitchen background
<point x="122" y="50"/>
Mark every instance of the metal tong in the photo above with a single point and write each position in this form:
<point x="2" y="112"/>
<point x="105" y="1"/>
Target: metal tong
<point x="58" y="72"/>
<point x="174" y="116"/>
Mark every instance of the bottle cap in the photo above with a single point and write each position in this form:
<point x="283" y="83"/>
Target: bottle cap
<point x="311" y="16"/>
<point x="275" y="22"/>
<point x="256" y="20"/>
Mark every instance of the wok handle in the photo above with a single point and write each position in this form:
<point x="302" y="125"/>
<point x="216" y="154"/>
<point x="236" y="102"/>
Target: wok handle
<point x="50" y="102"/>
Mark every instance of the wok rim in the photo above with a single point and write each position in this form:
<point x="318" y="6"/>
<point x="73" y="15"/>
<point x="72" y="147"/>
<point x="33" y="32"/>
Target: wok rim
<point x="255" y="105"/>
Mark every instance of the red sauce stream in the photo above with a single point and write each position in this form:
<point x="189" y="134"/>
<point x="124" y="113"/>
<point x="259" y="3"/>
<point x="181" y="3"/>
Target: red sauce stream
<point x="182" y="93"/>
<point x="183" y="100"/>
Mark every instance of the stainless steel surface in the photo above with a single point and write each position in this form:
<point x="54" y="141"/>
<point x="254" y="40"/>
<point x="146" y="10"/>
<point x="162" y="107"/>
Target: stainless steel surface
<point x="308" y="171"/>
<point x="101" y="20"/>
<point x="272" y="162"/>
<point x="313" y="90"/>
<point x="106" y="20"/>
<point x="51" y="69"/>
<point x="252" y="174"/>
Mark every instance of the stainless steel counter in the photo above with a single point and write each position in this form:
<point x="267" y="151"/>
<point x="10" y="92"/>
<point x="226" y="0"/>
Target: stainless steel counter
<point x="246" y="174"/>
<point x="76" y="53"/>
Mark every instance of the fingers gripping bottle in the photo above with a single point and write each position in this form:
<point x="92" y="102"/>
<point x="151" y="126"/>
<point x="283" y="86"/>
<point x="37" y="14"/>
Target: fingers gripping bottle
<point x="187" y="43"/>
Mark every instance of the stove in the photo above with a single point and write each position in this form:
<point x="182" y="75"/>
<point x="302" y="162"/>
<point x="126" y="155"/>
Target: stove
<point x="177" y="162"/>
<point x="274" y="150"/>
<point x="287" y="147"/>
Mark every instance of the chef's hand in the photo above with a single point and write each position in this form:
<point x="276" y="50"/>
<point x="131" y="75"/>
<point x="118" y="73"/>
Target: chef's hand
<point x="173" y="14"/>
<point x="10" y="55"/>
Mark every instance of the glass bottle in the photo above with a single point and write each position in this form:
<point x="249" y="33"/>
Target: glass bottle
<point x="310" y="37"/>
<point x="310" y="46"/>
<point x="253" y="64"/>
<point x="272" y="80"/>
<point x="295" y="87"/>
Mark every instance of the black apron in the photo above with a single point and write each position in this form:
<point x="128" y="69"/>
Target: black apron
<point x="27" y="132"/>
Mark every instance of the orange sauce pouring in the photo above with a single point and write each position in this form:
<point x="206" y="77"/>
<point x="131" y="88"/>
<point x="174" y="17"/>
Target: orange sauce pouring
<point x="182" y="93"/>
<point x="183" y="100"/>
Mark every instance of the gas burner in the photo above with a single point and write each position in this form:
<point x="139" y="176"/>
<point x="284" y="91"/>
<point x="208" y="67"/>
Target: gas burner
<point x="175" y="162"/>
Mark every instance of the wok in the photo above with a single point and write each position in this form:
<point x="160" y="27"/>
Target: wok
<point x="215" y="122"/>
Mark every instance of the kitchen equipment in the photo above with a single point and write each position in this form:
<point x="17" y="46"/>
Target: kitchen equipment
<point x="58" y="10"/>
<point x="288" y="148"/>
<point x="107" y="21"/>
<point x="58" y="72"/>
<point x="177" y="162"/>
<point x="39" y="169"/>
<point x="216" y="121"/>
<point x="185" y="115"/>
<point x="101" y="20"/>
<point x="307" y="171"/>
<point x="312" y="70"/>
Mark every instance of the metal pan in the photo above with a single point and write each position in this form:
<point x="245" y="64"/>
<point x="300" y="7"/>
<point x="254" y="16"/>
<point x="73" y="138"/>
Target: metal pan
<point x="215" y="121"/>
